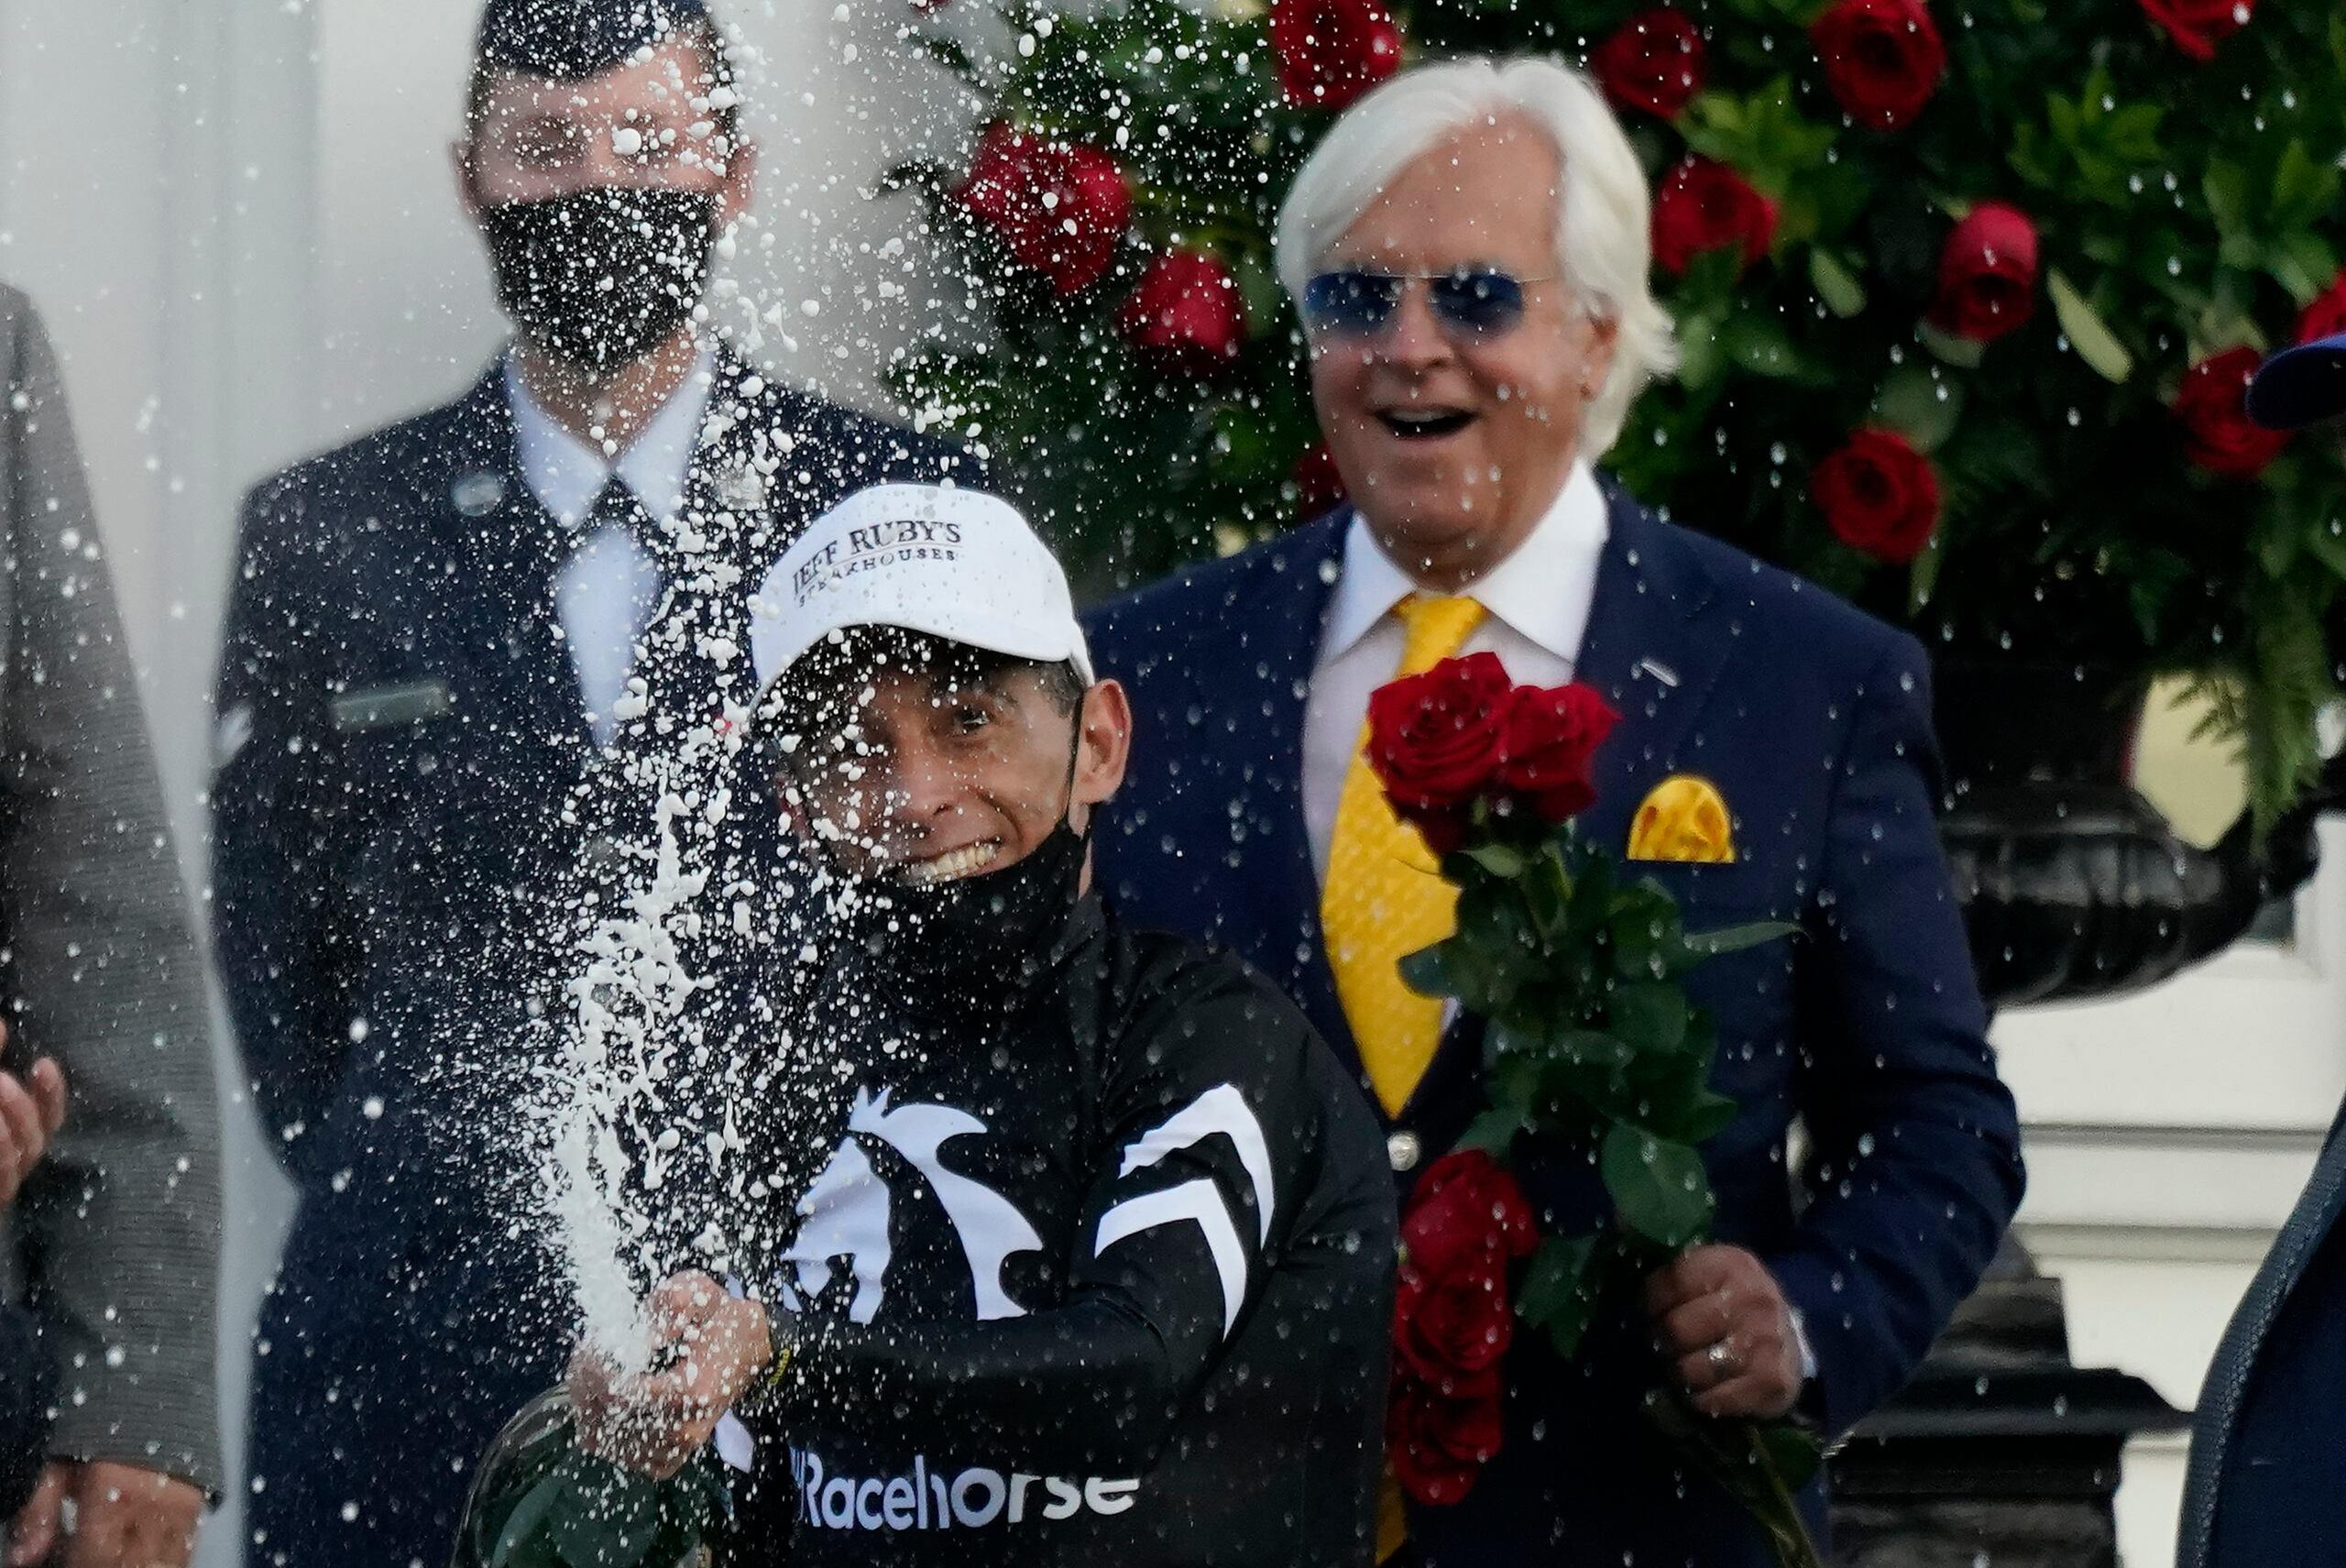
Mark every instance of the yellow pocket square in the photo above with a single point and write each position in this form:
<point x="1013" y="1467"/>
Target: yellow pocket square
<point x="1683" y="819"/>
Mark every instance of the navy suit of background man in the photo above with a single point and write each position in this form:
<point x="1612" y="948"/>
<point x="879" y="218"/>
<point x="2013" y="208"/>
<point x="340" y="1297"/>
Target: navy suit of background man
<point x="423" y="651"/>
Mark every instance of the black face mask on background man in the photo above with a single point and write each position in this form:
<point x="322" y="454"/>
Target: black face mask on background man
<point x="602" y="276"/>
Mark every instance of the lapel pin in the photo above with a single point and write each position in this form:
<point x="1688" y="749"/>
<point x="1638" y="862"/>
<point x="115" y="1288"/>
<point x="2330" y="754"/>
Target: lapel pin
<point x="478" y="495"/>
<point x="1661" y="673"/>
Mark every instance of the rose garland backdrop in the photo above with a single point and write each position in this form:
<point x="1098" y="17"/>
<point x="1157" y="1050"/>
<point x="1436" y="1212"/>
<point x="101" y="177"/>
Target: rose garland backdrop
<point x="1967" y="297"/>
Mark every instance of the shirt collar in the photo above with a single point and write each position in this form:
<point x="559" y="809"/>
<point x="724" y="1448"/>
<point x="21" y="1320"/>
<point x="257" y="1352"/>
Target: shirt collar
<point x="1545" y="587"/>
<point x="567" y="476"/>
<point x="1542" y="589"/>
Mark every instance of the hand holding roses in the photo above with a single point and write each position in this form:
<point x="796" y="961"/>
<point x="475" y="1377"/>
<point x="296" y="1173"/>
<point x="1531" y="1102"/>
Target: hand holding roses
<point x="1724" y="1296"/>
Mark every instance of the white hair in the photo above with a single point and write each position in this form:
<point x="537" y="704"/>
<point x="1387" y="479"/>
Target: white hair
<point x="1604" y="238"/>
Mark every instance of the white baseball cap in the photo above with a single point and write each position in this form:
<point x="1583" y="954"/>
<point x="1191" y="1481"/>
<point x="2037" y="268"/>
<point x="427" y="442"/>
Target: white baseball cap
<point x="955" y="564"/>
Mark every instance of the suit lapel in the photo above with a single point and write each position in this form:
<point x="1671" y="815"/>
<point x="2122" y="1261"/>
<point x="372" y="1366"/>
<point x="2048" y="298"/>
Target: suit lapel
<point x="493" y="521"/>
<point x="1659" y="634"/>
<point x="2317" y="1209"/>
<point x="1281" y="626"/>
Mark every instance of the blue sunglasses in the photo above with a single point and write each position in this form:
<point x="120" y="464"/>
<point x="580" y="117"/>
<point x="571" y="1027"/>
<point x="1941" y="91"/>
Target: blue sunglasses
<point x="1474" y="302"/>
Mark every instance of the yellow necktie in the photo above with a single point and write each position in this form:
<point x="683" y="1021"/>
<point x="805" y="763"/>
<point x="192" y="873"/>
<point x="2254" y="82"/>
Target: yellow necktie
<point x="1383" y="897"/>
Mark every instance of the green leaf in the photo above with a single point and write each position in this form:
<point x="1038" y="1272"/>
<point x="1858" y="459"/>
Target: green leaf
<point x="1710" y="1115"/>
<point x="1922" y="404"/>
<point x="1650" y="1016"/>
<point x="1923" y="578"/>
<point x="1493" y="1132"/>
<point x="1735" y="938"/>
<point x="947" y="52"/>
<point x="2326" y="545"/>
<point x="1427" y="971"/>
<point x="1499" y="859"/>
<point x="1765" y="135"/>
<point x="1640" y="934"/>
<point x="2095" y="343"/>
<point x="2304" y="264"/>
<point x="1962" y="352"/>
<point x="1760" y="344"/>
<point x="1560" y="1290"/>
<point x="1835" y="284"/>
<point x="1260" y="291"/>
<point x="1699" y="359"/>
<point x="1658" y="1185"/>
<point x="1589" y="1048"/>
<point x="1515" y="1085"/>
<point x="2304" y="187"/>
<point x="1797" y="1452"/>
<point x="2225" y="184"/>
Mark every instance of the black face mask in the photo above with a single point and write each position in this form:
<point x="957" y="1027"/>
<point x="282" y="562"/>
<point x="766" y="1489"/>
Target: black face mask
<point x="603" y="276"/>
<point x="989" y="933"/>
<point x="976" y="939"/>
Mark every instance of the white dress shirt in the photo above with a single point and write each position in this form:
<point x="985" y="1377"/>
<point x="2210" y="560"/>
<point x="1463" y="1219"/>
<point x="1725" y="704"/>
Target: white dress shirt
<point x="605" y="595"/>
<point x="1535" y="603"/>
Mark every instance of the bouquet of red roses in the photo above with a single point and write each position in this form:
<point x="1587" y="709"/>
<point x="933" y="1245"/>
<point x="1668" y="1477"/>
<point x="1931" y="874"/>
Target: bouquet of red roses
<point x="1591" y="1052"/>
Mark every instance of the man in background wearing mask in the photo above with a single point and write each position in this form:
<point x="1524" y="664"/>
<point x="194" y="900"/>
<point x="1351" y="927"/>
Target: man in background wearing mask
<point x="1071" y="1243"/>
<point x="443" y="715"/>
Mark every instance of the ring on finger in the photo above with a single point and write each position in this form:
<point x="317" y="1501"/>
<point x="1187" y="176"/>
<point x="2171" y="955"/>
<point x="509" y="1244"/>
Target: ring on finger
<point x="1720" y="1358"/>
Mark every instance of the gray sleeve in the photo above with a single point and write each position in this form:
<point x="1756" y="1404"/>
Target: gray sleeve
<point x="120" y="1229"/>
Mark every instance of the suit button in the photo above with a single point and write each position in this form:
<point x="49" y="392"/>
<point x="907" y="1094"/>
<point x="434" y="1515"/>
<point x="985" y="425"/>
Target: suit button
<point x="1402" y="1149"/>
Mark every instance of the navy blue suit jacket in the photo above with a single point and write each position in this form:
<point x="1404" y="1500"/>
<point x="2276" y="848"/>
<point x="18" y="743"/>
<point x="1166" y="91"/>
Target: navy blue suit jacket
<point x="401" y="727"/>
<point x="2268" y="1444"/>
<point x="1813" y="721"/>
<point x="28" y="1385"/>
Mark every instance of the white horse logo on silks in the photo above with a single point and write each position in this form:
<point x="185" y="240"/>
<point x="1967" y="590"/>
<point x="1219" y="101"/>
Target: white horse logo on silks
<point x="845" y="1214"/>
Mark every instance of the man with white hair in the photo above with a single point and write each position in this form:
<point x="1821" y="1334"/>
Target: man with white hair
<point x="1469" y="248"/>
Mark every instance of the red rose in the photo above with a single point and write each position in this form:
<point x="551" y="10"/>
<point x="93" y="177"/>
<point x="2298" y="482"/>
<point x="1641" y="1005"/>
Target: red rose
<point x="1059" y="206"/>
<point x="2326" y="317"/>
<point x="1705" y="205"/>
<point x="1437" y="1443"/>
<point x="1331" y="51"/>
<point x="1987" y="274"/>
<point x="1552" y="737"/>
<point x="1653" y="61"/>
<point x="1433" y="741"/>
<point x="1453" y="1325"/>
<point x="1878" y="495"/>
<point x="2197" y="26"/>
<point x="1319" y="486"/>
<point x="1465" y="1209"/>
<point x="1882" y="60"/>
<point x="1184" y="316"/>
<point x="2217" y="433"/>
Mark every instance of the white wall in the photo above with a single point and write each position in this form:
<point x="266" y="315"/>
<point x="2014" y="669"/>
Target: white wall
<point x="238" y="218"/>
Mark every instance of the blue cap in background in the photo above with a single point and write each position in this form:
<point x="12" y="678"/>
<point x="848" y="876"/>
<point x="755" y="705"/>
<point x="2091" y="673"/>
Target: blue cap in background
<point x="2300" y="386"/>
